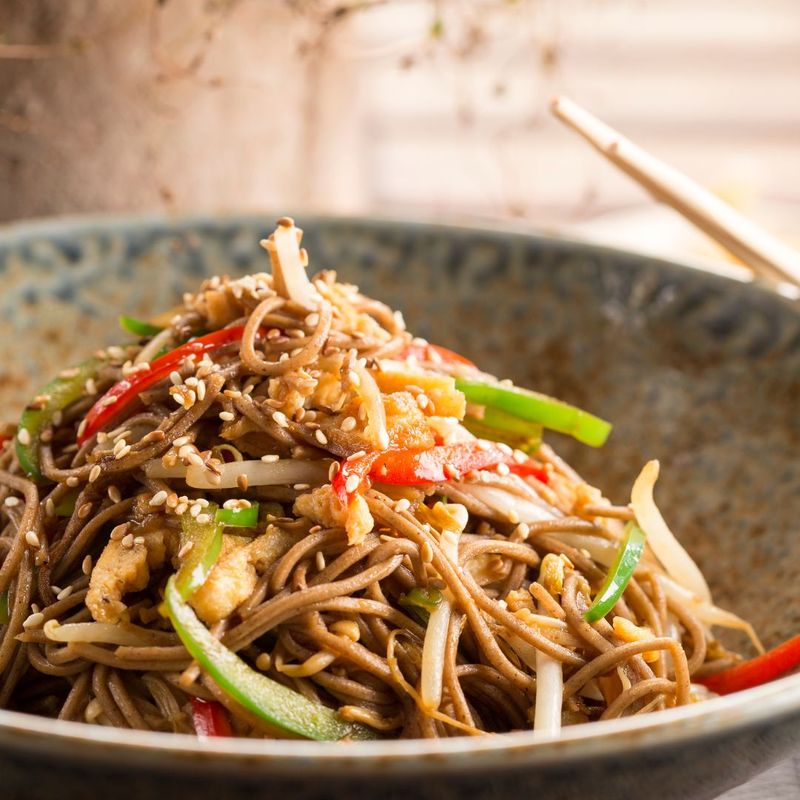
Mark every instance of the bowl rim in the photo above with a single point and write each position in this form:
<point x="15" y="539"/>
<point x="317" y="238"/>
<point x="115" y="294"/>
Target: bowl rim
<point x="731" y="714"/>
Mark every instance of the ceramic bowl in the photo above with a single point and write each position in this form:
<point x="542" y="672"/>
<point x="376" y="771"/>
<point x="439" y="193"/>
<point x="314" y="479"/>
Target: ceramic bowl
<point x="698" y="370"/>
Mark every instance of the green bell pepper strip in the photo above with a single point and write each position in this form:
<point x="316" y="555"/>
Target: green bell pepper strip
<point x="267" y="699"/>
<point x="56" y="396"/>
<point x="4" y="617"/>
<point x="620" y="573"/>
<point x="427" y="598"/>
<point x="537" y="408"/>
<point x="239" y="517"/>
<point x="66" y="508"/>
<point x="137" y="327"/>
<point x="206" y="539"/>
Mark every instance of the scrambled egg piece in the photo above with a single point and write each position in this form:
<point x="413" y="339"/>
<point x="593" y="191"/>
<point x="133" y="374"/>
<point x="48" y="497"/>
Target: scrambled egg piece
<point x="122" y="569"/>
<point x="323" y="507"/>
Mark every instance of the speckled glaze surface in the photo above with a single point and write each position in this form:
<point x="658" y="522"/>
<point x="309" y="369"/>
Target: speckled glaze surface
<point x="697" y="370"/>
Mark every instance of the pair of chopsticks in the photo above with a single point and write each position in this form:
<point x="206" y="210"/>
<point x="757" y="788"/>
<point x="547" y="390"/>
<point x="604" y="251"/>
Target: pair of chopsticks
<point x="761" y="251"/>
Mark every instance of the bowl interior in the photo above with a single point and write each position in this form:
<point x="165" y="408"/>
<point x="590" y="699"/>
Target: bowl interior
<point x="696" y="370"/>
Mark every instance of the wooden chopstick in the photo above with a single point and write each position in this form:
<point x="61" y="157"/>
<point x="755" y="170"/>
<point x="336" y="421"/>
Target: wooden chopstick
<point x="747" y="241"/>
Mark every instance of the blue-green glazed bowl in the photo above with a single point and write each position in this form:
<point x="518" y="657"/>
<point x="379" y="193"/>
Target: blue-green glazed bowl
<point x="697" y="370"/>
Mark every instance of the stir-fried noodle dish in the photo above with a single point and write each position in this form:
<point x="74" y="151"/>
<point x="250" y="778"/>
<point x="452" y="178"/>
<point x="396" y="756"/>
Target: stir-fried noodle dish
<point x="273" y="512"/>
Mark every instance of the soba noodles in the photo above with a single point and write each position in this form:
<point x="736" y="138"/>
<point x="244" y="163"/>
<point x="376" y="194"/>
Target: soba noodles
<point x="282" y="515"/>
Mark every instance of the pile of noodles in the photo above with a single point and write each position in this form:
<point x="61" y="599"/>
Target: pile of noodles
<point x="515" y="561"/>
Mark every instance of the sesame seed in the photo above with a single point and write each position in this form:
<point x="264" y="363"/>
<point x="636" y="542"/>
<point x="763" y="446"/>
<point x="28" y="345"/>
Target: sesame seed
<point x="154" y="436"/>
<point x="505" y="448"/>
<point x="264" y="662"/>
<point x="351" y="484"/>
<point x="119" y="531"/>
<point x="201" y="390"/>
<point x="203" y="519"/>
<point x="90" y="386"/>
<point x="301" y="487"/>
<point x="175" y="378"/>
<point x="86" y="565"/>
<point x="484" y="445"/>
<point x="181" y="440"/>
<point x="320" y="560"/>
<point x="119" y="445"/>
<point x="320" y="437"/>
<point x="49" y="507"/>
<point x="270" y="458"/>
<point x="512" y="517"/>
<point x="122" y="453"/>
<point x="354" y="378"/>
<point x="357" y="454"/>
<point x="426" y="553"/>
<point x="423" y="401"/>
<point x="114" y="494"/>
<point x="502" y="469"/>
<point x="72" y="481"/>
<point x="191" y="381"/>
<point x="348" y="423"/>
<point x="95" y="473"/>
<point x="450" y="471"/>
<point x="127" y="540"/>
<point x="82" y="427"/>
<point x="280" y="419"/>
<point x="333" y="470"/>
<point x="66" y="374"/>
<point x="108" y="401"/>
<point x="12" y="501"/>
<point x="84" y="510"/>
<point x="242" y="482"/>
<point x="312" y="320"/>
<point x="24" y="437"/>
<point x="227" y="416"/>
<point x="32" y="540"/>
<point x="403" y="504"/>
<point x="195" y="509"/>
<point x="185" y="549"/>
<point x="234" y="394"/>
<point x="195" y="458"/>
<point x="181" y="508"/>
<point x="139" y="540"/>
<point x="34" y="620"/>
<point x="159" y="498"/>
<point x="64" y="593"/>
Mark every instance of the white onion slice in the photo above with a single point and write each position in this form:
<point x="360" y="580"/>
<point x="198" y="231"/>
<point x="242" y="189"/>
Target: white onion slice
<point x="504" y="502"/>
<point x="549" y="694"/>
<point x="100" y="633"/>
<point x="376" y="414"/>
<point x="669" y="551"/>
<point x="433" y="647"/>
<point x="707" y="612"/>
<point x="154" y="346"/>
<point x="287" y="265"/>
<point x="601" y="550"/>
<point x="285" y="472"/>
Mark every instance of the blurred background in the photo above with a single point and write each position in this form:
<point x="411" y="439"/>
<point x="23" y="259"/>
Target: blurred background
<point x="412" y="108"/>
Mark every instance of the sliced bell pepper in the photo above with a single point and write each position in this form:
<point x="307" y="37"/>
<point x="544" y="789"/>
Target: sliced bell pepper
<point x="434" y="353"/>
<point x="756" y="671"/>
<point x="111" y="405"/>
<point x="54" y="397"/>
<point x="239" y="517"/>
<point x="206" y="539"/>
<point x="4" y="617"/>
<point x="421" y="602"/>
<point x="413" y="467"/>
<point x="537" y="408"/>
<point x="620" y="573"/>
<point x="137" y="327"/>
<point x="269" y="700"/>
<point x="210" y="719"/>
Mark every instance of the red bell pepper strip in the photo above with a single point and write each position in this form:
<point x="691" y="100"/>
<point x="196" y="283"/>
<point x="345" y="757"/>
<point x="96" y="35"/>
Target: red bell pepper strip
<point x="210" y="719"/>
<point x="413" y="467"/>
<point x="122" y="394"/>
<point x="434" y="353"/>
<point x="756" y="671"/>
